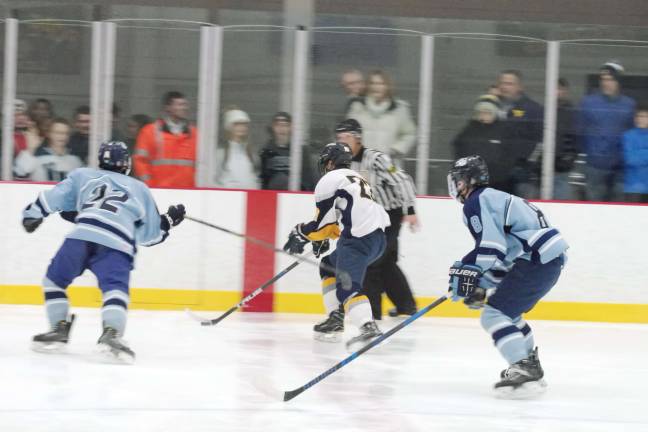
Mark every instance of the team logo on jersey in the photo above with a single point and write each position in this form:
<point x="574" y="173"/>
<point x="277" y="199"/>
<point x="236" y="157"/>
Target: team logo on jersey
<point x="476" y="224"/>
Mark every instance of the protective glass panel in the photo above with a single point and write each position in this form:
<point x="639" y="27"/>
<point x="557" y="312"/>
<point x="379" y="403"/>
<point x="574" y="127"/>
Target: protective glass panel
<point x="598" y="113"/>
<point x="479" y="110"/>
<point x="256" y="84"/>
<point x="53" y="97"/>
<point x="153" y="58"/>
<point x="372" y="75"/>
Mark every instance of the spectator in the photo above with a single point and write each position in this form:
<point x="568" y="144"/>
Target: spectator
<point x="235" y="161"/>
<point x="603" y="118"/>
<point x="353" y="83"/>
<point x="26" y="133"/>
<point x="133" y="128"/>
<point x="386" y="121"/>
<point x="635" y="152"/>
<point x="566" y="148"/>
<point x="165" y="150"/>
<point x="81" y="136"/>
<point x="494" y="90"/>
<point x="41" y="108"/>
<point x="275" y="157"/>
<point x="490" y="137"/>
<point x="53" y="160"/>
<point x="525" y="117"/>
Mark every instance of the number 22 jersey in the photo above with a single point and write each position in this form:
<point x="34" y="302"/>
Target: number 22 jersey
<point x="114" y="210"/>
<point x="344" y="198"/>
<point x="505" y="228"/>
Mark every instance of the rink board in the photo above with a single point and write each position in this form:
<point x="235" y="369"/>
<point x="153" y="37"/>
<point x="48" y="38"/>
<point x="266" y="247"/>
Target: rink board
<point x="204" y="269"/>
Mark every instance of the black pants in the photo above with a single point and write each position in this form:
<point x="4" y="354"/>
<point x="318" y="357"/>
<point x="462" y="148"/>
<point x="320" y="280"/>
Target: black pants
<point x="384" y="275"/>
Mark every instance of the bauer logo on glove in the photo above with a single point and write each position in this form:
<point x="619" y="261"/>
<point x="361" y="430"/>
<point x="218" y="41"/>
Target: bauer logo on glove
<point x="464" y="280"/>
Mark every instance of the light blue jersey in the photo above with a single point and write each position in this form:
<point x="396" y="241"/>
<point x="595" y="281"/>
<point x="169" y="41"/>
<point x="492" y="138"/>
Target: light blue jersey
<point x="114" y="210"/>
<point x="505" y="228"/>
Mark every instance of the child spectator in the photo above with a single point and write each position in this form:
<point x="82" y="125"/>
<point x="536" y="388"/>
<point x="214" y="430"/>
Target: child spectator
<point x="635" y="156"/>
<point x="52" y="161"/>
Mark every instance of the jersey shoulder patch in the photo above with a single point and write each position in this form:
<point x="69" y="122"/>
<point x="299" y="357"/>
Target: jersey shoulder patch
<point x="476" y="224"/>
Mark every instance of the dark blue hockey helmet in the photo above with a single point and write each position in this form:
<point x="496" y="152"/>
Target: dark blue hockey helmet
<point x="114" y="156"/>
<point x="472" y="171"/>
<point x="336" y="152"/>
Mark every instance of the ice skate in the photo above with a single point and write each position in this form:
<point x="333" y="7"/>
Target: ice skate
<point x="368" y="332"/>
<point x="113" y="348"/>
<point x="395" y="312"/>
<point x="54" y="341"/>
<point x="331" y="329"/>
<point x="522" y="380"/>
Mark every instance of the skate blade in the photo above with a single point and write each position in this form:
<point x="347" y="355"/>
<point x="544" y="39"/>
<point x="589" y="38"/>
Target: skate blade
<point x="328" y="337"/>
<point x="49" y="347"/>
<point x="528" y="390"/>
<point x="106" y="354"/>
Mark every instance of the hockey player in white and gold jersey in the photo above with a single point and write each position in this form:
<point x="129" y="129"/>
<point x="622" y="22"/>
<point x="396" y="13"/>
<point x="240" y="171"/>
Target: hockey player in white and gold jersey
<point x="346" y="209"/>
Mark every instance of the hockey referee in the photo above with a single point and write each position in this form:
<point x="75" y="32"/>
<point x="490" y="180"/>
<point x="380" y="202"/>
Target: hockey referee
<point x="394" y="190"/>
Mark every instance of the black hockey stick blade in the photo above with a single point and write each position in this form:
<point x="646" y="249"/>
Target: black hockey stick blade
<point x="250" y="296"/>
<point x="288" y="395"/>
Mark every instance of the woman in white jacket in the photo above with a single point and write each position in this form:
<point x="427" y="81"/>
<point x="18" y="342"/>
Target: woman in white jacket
<point x="387" y="122"/>
<point x="235" y="163"/>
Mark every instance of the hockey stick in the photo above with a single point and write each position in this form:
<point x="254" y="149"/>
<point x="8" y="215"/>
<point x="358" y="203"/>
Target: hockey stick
<point x="246" y="299"/>
<point x="288" y="395"/>
<point x="347" y="278"/>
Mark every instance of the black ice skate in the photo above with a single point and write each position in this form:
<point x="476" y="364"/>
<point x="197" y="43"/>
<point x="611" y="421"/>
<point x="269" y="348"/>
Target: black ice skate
<point x="331" y="328"/>
<point x="522" y="379"/>
<point x="55" y="340"/>
<point x="114" y="348"/>
<point x="368" y="332"/>
<point x="395" y="312"/>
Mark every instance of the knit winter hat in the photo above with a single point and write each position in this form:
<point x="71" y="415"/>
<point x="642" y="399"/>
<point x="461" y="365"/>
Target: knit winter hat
<point x="234" y="116"/>
<point x="614" y="68"/>
<point x="490" y="103"/>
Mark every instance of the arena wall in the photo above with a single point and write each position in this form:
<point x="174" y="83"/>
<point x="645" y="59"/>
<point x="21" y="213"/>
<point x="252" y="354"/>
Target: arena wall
<point x="205" y="269"/>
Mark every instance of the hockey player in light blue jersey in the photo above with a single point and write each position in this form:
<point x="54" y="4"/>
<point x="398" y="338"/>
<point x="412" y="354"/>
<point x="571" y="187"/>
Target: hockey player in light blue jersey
<point x="517" y="259"/>
<point x="112" y="214"/>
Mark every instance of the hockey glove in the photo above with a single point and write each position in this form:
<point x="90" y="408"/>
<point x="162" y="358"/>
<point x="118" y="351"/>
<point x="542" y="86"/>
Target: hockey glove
<point x="174" y="215"/>
<point x="320" y="247"/>
<point x="296" y="241"/>
<point x="464" y="284"/>
<point x="30" y="224"/>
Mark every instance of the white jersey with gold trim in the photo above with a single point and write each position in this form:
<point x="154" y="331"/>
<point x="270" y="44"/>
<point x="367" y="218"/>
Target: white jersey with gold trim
<point x="345" y="206"/>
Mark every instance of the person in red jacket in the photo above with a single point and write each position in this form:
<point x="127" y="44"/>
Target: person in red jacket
<point x="165" y="150"/>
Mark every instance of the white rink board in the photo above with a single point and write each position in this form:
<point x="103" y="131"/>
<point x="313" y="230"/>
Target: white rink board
<point x="606" y="259"/>
<point x="191" y="258"/>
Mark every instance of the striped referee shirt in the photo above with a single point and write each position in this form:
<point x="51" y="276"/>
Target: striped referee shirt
<point x="392" y="187"/>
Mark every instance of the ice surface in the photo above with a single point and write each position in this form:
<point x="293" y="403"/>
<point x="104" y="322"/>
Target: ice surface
<point x="435" y="375"/>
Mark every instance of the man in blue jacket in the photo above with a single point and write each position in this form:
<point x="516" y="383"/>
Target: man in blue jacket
<point x="603" y="118"/>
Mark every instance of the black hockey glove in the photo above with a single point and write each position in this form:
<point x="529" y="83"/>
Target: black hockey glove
<point x="320" y="247"/>
<point x="296" y="241"/>
<point x="174" y="215"/>
<point x="464" y="284"/>
<point x="30" y="224"/>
